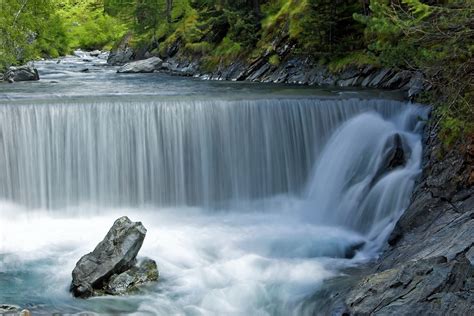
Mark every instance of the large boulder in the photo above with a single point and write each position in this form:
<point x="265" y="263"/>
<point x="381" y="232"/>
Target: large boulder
<point x="142" y="66"/>
<point x="22" y="73"/>
<point x="115" y="254"/>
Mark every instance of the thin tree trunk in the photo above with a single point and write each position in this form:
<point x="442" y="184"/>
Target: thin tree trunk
<point x="169" y="7"/>
<point x="17" y="15"/>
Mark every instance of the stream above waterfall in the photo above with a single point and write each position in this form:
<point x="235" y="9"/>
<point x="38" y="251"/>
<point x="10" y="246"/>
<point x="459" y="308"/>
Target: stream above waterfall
<point x="252" y="194"/>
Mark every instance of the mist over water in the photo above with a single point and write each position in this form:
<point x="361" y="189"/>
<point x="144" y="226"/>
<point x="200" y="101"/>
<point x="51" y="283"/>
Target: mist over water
<point x="250" y="202"/>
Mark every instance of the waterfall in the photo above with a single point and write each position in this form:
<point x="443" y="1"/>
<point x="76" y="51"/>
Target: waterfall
<point x="352" y="184"/>
<point x="171" y="152"/>
<point x="249" y="204"/>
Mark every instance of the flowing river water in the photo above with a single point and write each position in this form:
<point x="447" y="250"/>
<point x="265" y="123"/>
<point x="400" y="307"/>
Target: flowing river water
<point x="253" y="194"/>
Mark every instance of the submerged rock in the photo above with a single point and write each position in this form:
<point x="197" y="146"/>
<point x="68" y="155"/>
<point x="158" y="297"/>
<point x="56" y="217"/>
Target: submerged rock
<point x="395" y="155"/>
<point x="115" y="254"/>
<point x="142" y="66"/>
<point x="126" y="282"/>
<point x="22" y="73"/>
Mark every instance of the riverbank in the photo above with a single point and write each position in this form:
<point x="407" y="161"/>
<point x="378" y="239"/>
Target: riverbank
<point x="291" y="68"/>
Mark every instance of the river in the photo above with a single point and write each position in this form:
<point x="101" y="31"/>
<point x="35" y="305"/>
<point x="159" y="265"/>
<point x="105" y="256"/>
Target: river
<point x="253" y="194"/>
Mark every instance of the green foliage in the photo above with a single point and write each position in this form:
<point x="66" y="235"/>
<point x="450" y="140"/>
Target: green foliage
<point x="29" y="29"/>
<point x="357" y="58"/>
<point x="328" y="27"/>
<point x="88" y="26"/>
<point x="436" y="39"/>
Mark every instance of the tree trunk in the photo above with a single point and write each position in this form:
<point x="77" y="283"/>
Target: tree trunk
<point x="169" y="7"/>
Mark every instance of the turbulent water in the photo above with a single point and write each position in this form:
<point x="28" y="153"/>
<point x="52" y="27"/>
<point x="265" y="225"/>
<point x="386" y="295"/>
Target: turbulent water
<point x="252" y="195"/>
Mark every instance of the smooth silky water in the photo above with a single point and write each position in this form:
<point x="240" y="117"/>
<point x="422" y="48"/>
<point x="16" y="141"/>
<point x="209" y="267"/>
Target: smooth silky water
<point x="252" y="194"/>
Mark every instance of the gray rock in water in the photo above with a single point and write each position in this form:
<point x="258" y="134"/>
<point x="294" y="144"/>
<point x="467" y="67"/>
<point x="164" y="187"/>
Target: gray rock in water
<point x="95" y="53"/>
<point x="122" y="53"/>
<point x="395" y="155"/>
<point x="9" y="309"/>
<point x="127" y="282"/>
<point x="22" y="73"/>
<point x="113" y="255"/>
<point x="142" y="66"/>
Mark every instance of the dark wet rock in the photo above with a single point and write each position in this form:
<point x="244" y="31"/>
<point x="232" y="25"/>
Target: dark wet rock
<point x="347" y="82"/>
<point x="349" y="73"/>
<point x="173" y="49"/>
<point x="416" y="85"/>
<point x="142" y="66"/>
<point x="367" y="70"/>
<point x="415" y="287"/>
<point x="368" y="79"/>
<point x="115" y="254"/>
<point x="259" y="72"/>
<point x="9" y="309"/>
<point x="352" y="250"/>
<point x="122" y="52"/>
<point x="85" y="70"/>
<point x="398" y="80"/>
<point x="22" y="73"/>
<point x="129" y="281"/>
<point x="379" y="77"/>
<point x="395" y="154"/>
<point x="235" y="72"/>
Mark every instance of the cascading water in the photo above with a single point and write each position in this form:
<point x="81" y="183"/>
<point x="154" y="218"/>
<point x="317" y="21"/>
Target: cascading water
<point x="250" y="203"/>
<point x="165" y="153"/>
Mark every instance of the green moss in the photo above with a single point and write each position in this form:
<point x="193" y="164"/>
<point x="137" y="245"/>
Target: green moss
<point x="358" y="59"/>
<point x="228" y="49"/>
<point x="274" y="60"/>
<point x="198" y="48"/>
